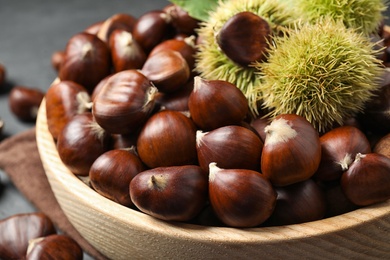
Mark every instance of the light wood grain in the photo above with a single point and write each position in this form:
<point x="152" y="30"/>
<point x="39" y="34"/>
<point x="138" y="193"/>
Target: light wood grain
<point x="122" y="233"/>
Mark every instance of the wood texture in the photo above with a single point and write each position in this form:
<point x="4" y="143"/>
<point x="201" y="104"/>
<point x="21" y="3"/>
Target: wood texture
<point x="122" y="233"/>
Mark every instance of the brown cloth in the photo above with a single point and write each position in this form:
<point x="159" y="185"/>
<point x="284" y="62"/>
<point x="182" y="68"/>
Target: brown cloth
<point x="19" y="158"/>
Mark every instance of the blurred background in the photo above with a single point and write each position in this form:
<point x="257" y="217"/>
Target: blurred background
<point x="30" y="31"/>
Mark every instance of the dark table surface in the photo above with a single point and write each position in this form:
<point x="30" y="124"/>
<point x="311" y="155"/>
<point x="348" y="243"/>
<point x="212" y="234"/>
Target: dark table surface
<point x="30" y="31"/>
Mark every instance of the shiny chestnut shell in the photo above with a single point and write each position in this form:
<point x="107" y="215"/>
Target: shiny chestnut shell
<point x="64" y="99"/>
<point x="167" y="139"/>
<point x="367" y="181"/>
<point x="231" y="147"/>
<point x="86" y="62"/>
<point x="16" y="231"/>
<point x="339" y="147"/>
<point x="124" y="102"/>
<point x="292" y="150"/>
<point x="239" y="197"/>
<point x="111" y="173"/>
<point x="24" y="102"/>
<point x="175" y="193"/>
<point x="216" y="103"/>
<point x="56" y="246"/>
<point x="118" y="21"/>
<point x="81" y="142"/>
<point x="298" y="203"/>
<point x="244" y="46"/>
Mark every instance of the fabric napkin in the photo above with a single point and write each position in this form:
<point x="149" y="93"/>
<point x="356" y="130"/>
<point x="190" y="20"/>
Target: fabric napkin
<point x="19" y="158"/>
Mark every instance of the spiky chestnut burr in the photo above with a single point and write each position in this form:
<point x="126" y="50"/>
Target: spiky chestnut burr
<point x="324" y="72"/>
<point x="363" y="15"/>
<point x="212" y="63"/>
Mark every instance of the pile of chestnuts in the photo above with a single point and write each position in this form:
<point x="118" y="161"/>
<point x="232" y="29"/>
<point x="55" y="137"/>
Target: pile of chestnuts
<point x="129" y="112"/>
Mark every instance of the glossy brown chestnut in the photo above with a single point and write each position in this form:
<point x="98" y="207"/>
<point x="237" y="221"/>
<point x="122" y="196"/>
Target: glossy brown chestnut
<point x="175" y="193"/>
<point x="111" y="173"/>
<point x="181" y="21"/>
<point x="186" y="47"/>
<point x="16" y="231"/>
<point x="167" y="69"/>
<point x="64" y="99"/>
<point x="126" y="53"/>
<point x="244" y="46"/>
<point x="57" y="58"/>
<point x="24" y="102"/>
<point x="177" y="100"/>
<point x="167" y="139"/>
<point x="339" y="147"/>
<point x="87" y="60"/>
<point x="216" y="103"/>
<point x="151" y="28"/>
<point x="367" y="181"/>
<point x="57" y="246"/>
<point x="298" y="203"/>
<point x="124" y="102"/>
<point x="231" y="147"/>
<point x="121" y="21"/>
<point x="81" y="142"/>
<point x="239" y="197"/>
<point x="292" y="150"/>
<point x="3" y="73"/>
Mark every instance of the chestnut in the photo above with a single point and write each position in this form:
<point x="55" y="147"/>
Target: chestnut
<point x="292" y="150"/>
<point x="3" y="73"/>
<point x="231" y="147"/>
<point x="124" y="102"/>
<point x="339" y="147"/>
<point x="81" y="142"/>
<point x="24" y="102"/>
<point x="240" y="197"/>
<point x="177" y="100"/>
<point x="175" y="193"/>
<point x="119" y="21"/>
<point x="298" y="203"/>
<point x="167" y="69"/>
<point x="244" y="46"/>
<point x="126" y="53"/>
<point x="111" y="173"/>
<point x="367" y="181"/>
<point x="181" y="21"/>
<point x="86" y="62"/>
<point x="57" y="246"/>
<point x="151" y="28"/>
<point x="17" y="230"/>
<point x="216" y="103"/>
<point x="64" y="99"/>
<point x="167" y="139"/>
<point x="186" y="47"/>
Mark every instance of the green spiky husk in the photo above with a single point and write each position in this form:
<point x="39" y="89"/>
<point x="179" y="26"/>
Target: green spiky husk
<point x="212" y="63"/>
<point x="324" y="72"/>
<point x="363" y="15"/>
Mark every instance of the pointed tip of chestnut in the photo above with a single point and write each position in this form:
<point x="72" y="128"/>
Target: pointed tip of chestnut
<point x="283" y="133"/>
<point x="199" y="135"/>
<point x="213" y="169"/>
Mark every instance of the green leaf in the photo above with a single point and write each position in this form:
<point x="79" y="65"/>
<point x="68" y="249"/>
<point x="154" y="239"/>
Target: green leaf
<point x="198" y="9"/>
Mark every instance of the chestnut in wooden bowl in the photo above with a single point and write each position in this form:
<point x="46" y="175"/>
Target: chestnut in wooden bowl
<point x="119" y="232"/>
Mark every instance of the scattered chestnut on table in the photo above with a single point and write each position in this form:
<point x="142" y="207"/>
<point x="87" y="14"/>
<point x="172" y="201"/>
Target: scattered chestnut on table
<point x="56" y="246"/>
<point x="3" y="73"/>
<point x="16" y="231"/>
<point x="24" y="102"/>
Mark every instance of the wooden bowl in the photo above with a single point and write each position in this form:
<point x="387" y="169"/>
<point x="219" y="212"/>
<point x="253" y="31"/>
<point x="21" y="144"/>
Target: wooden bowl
<point x="122" y="233"/>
